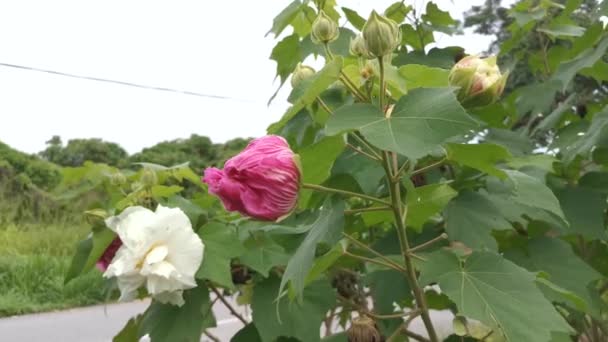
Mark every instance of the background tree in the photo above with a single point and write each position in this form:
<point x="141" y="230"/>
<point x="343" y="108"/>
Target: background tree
<point x="77" y="151"/>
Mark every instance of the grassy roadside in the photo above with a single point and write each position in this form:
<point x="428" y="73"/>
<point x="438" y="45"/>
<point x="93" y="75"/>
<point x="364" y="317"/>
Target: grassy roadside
<point x="33" y="262"/>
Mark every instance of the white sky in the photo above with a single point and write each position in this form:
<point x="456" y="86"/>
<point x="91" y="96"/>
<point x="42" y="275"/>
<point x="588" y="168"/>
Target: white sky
<point x="211" y="47"/>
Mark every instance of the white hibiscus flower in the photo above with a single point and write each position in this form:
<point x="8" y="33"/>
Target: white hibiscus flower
<point x="159" y="249"/>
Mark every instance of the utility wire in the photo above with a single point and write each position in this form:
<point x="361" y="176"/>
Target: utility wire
<point x="129" y="84"/>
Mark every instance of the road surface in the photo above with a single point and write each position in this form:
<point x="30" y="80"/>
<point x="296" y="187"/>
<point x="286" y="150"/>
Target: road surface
<point x="100" y="323"/>
<point x="94" y="324"/>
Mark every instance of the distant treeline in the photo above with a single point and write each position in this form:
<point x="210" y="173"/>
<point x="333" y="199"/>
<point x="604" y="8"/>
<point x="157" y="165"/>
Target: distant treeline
<point x="28" y="181"/>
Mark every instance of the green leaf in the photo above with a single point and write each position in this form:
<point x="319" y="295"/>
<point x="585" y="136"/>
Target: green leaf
<point x="324" y="262"/>
<point x="559" y="30"/>
<point x="536" y="98"/>
<point x="262" y="254"/>
<point x="388" y="287"/>
<point x="327" y="229"/>
<point x="354" y="18"/>
<point x="427" y="201"/>
<point x="166" y="322"/>
<point x="79" y="260"/>
<point x="584" y="208"/>
<point x="397" y="11"/>
<point x="419" y="76"/>
<point x="440" y="20"/>
<point x="130" y="332"/>
<point x="421" y="121"/>
<point x="221" y="245"/>
<point x="597" y="133"/>
<point x="493" y="290"/>
<point x="551" y="120"/>
<point x="298" y="319"/>
<point x="248" y="334"/>
<point x="314" y="87"/>
<point x="470" y="219"/>
<point x="366" y="172"/>
<point x="557" y="259"/>
<point x="567" y="70"/>
<point x="530" y="191"/>
<point x="102" y="238"/>
<point x="287" y="53"/>
<point x="482" y="157"/>
<point x="541" y="161"/>
<point x="163" y="191"/>
<point x="417" y="37"/>
<point x="523" y="18"/>
<point x="283" y="19"/>
<point x="317" y="161"/>
<point x="518" y="144"/>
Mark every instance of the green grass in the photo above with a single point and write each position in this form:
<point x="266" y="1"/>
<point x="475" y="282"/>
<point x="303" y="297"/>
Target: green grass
<point x="33" y="262"/>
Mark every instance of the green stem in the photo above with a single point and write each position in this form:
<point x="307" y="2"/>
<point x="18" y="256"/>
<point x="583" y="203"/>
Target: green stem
<point x="400" y="216"/>
<point x="343" y="192"/>
<point x="366" y="144"/>
<point x="373" y="261"/>
<point x="348" y="83"/>
<point x="364" y="210"/>
<point x="423" y="245"/>
<point x="382" y="83"/>
<point x="428" y="167"/>
<point x="360" y="151"/>
<point x="374" y="252"/>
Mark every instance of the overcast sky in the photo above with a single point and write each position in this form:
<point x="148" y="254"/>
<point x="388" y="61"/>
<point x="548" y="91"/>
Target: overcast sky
<point x="209" y="47"/>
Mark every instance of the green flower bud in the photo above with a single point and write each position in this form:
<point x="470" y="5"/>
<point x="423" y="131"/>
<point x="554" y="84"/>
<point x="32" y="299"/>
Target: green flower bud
<point x="479" y="79"/>
<point x="301" y="73"/>
<point x="148" y="177"/>
<point x="357" y="47"/>
<point x="96" y="217"/>
<point x="381" y="34"/>
<point x="118" y="179"/>
<point x="324" y="29"/>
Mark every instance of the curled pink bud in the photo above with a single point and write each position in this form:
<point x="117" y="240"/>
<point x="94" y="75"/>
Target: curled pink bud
<point x="260" y="182"/>
<point x="108" y="255"/>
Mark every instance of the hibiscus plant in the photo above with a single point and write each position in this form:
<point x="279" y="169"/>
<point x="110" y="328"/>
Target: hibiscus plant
<point x="409" y="193"/>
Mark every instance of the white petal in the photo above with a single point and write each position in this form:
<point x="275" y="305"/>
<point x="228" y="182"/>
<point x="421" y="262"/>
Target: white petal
<point x="128" y="285"/>
<point x="185" y="251"/>
<point x="157" y="254"/>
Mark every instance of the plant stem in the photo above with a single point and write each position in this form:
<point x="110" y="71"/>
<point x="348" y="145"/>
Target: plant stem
<point x="343" y="192"/>
<point x="382" y="83"/>
<point x="343" y="77"/>
<point x="225" y="302"/>
<point x="428" y="167"/>
<point x="365" y="210"/>
<point x="405" y="251"/>
<point x="360" y="151"/>
<point x="211" y="337"/>
<point x="366" y="144"/>
<point x="324" y="105"/>
<point x="374" y="252"/>
<point x="443" y="236"/>
<point x="373" y="261"/>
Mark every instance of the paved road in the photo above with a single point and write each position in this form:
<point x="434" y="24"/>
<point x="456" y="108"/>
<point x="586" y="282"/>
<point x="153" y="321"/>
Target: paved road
<point x="93" y="324"/>
<point x="100" y="323"/>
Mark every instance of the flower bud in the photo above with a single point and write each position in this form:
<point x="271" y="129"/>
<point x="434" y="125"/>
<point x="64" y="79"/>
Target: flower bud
<point x="118" y="179"/>
<point x="363" y="329"/>
<point x="479" y="80"/>
<point x="301" y="73"/>
<point x="260" y="182"/>
<point x="108" y="254"/>
<point x="96" y="217"/>
<point x="357" y="47"/>
<point x="324" y="29"/>
<point x="381" y="34"/>
<point x="368" y="71"/>
<point x="148" y="177"/>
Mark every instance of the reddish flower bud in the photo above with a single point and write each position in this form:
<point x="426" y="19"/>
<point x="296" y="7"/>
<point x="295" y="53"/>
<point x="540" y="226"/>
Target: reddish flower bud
<point x="108" y="255"/>
<point x="479" y="80"/>
<point x="261" y="182"/>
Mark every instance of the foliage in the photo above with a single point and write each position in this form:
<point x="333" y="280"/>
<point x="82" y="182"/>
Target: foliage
<point x="77" y="151"/>
<point x="33" y="262"/>
<point x="30" y="169"/>
<point x="497" y="207"/>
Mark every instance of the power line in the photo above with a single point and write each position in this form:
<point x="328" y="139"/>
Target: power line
<point x="129" y="84"/>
